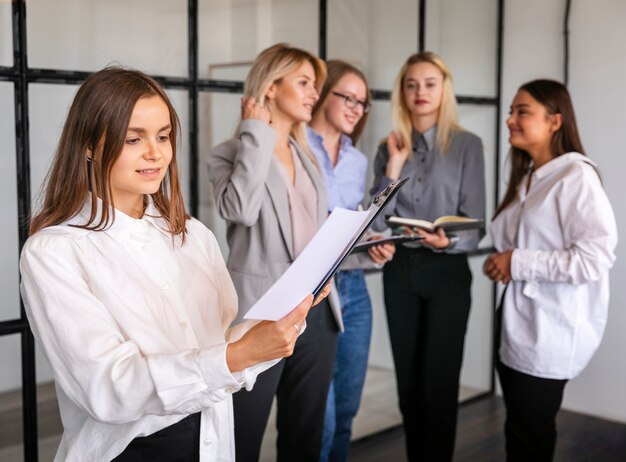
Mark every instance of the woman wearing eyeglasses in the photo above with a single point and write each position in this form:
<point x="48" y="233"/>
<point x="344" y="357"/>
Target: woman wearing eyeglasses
<point x="338" y="121"/>
<point x="428" y="288"/>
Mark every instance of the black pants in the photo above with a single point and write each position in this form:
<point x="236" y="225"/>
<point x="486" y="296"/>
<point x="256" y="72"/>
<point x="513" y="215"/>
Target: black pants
<point x="177" y="443"/>
<point x="300" y="384"/>
<point x="532" y="404"/>
<point x="428" y="298"/>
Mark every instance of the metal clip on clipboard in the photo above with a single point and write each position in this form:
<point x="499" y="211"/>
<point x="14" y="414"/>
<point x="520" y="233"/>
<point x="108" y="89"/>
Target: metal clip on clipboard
<point x="379" y="202"/>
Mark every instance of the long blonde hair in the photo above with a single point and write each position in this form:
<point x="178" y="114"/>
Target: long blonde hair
<point x="270" y="66"/>
<point x="447" y="119"/>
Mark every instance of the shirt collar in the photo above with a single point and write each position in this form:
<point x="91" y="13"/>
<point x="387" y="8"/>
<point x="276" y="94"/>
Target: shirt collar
<point x="124" y="225"/>
<point x="561" y="161"/>
<point x="428" y="136"/>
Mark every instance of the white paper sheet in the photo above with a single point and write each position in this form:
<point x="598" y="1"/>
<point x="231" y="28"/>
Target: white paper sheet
<point x="309" y="269"/>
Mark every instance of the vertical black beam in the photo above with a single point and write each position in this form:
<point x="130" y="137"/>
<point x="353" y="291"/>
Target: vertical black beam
<point x="422" y="25"/>
<point x="499" y="60"/>
<point x="568" y="5"/>
<point x="323" y="22"/>
<point x="22" y="150"/>
<point x="192" y="30"/>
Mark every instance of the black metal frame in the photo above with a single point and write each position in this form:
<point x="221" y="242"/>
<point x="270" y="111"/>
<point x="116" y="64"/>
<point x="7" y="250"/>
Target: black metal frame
<point x="22" y="75"/>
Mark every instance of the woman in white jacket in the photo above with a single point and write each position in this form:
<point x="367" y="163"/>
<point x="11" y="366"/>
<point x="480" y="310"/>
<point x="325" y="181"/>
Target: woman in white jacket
<point x="130" y="297"/>
<point x="556" y="235"/>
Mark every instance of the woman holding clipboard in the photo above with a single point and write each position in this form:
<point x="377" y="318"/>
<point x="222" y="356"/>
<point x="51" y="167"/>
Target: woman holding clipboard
<point x="427" y="286"/>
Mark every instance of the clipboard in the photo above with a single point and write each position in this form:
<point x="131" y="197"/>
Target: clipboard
<point x="316" y="264"/>
<point x="393" y="239"/>
<point x="378" y="204"/>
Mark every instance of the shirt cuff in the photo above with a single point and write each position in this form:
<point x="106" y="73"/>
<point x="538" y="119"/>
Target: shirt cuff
<point x="523" y="264"/>
<point x="215" y="370"/>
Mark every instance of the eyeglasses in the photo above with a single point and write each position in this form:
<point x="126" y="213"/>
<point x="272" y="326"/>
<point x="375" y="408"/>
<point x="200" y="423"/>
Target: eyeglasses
<point x="352" y="103"/>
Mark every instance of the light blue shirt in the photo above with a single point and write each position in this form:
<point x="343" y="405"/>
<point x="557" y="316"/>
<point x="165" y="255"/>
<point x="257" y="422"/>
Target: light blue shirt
<point x="345" y="181"/>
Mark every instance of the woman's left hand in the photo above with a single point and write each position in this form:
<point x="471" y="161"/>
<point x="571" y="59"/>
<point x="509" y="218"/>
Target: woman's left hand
<point x="381" y="254"/>
<point x="323" y="294"/>
<point x="498" y="267"/>
<point x="438" y="239"/>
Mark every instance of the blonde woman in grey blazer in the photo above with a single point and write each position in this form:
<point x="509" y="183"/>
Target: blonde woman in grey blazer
<point x="269" y="189"/>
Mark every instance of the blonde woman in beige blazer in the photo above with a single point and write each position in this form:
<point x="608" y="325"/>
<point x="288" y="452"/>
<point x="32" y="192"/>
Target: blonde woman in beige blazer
<point x="270" y="191"/>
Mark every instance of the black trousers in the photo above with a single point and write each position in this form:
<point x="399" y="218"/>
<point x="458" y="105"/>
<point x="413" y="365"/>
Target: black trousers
<point x="428" y="298"/>
<point x="177" y="443"/>
<point x="532" y="404"/>
<point x="301" y="384"/>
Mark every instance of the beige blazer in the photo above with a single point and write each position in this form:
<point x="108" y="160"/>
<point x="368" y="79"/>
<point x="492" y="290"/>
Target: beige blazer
<point x="252" y="197"/>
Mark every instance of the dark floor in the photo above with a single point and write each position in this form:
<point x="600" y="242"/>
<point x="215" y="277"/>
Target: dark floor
<point x="480" y="438"/>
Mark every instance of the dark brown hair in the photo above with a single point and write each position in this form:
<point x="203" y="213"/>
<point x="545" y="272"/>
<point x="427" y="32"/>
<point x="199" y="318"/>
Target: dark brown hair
<point x="556" y="99"/>
<point x="96" y="124"/>
<point x="336" y="70"/>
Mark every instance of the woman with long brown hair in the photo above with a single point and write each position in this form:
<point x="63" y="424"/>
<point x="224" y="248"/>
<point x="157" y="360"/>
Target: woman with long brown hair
<point x="129" y="296"/>
<point x="428" y="287"/>
<point x="556" y="235"/>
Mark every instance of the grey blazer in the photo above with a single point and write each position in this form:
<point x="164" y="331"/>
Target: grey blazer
<point x="251" y="196"/>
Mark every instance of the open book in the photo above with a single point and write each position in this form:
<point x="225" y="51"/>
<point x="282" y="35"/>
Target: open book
<point x="447" y="223"/>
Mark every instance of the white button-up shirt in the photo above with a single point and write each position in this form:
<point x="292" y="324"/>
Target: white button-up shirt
<point x="564" y="234"/>
<point x="135" y="326"/>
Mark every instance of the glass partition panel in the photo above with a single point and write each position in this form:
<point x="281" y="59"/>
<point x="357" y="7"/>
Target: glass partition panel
<point x="481" y="120"/>
<point x="377" y="129"/>
<point x="375" y="35"/>
<point x="11" y="435"/>
<point x="9" y="248"/>
<point x="48" y="105"/>
<point x="477" y="366"/>
<point x="233" y="32"/>
<point x="218" y="116"/>
<point x="6" y="35"/>
<point x="87" y="35"/>
<point x="465" y="35"/>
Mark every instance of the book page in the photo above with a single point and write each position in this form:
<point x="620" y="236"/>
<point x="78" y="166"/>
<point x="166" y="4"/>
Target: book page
<point x="453" y="219"/>
<point x="301" y="278"/>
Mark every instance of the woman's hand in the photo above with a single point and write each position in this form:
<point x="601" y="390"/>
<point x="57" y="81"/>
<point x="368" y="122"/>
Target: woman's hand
<point x="251" y="110"/>
<point x="438" y="239"/>
<point x="381" y="254"/>
<point x="269" y="339"/>
<point x="397" y="156"/>
<point x="498" y="267"/>
<point x="324" y="293"/>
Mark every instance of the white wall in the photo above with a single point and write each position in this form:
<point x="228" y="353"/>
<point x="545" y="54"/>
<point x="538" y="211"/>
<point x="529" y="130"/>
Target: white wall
<point x="533" y="49"/>
<point x="374" y="36"/>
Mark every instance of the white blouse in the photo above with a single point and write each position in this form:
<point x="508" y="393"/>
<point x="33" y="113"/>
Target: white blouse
<point x="135" y="326"/>
<point x="564" y="234"/>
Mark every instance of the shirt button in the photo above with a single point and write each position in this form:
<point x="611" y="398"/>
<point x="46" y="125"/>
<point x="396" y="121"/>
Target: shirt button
<point x="183" y="325"/>
<point x="419" y="179"/>
<point x="165" y="287"/>
<point x="146" y="248"/>
<point x="230" y="390"/>
<point x="208" y="442"/>
<point x="423" y="160"/>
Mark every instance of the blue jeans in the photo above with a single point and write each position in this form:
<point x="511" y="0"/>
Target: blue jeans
<point x="344" y="395"/>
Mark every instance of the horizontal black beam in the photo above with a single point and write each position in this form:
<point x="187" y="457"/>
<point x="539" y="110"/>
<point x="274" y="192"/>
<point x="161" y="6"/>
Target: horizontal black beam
<point x="14" y="326"/>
